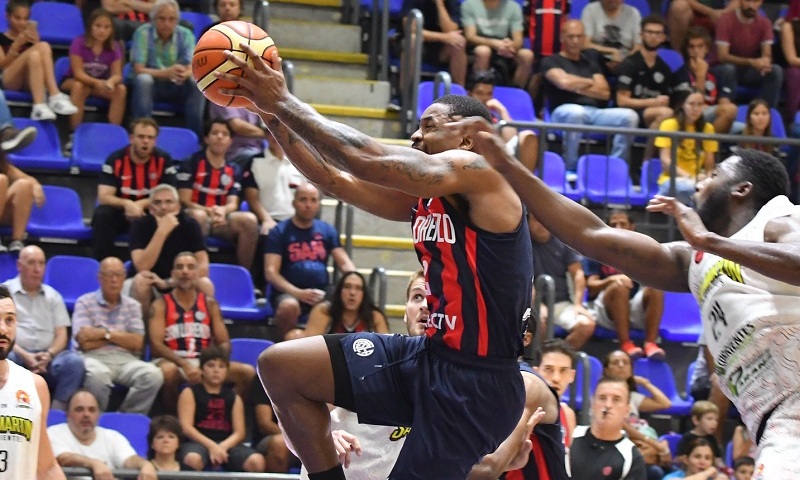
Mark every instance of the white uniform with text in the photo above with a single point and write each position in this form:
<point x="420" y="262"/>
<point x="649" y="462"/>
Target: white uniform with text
<point x="20" y="414"/>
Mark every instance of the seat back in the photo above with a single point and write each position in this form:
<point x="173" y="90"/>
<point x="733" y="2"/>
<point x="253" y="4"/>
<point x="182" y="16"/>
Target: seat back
<point x="642" y="5"/>
<point x="134" y="426"/>
<point x="425" y="94"/>
<point x="61" y="67"/>
<point x="593" y="377"/>
<point x="8" y="267"/>
<point x="681" y="318"/>
<point x="60" y="214"/>
<point x="46" y="145"/>
<point x="180" y="143"/>
<point x="553" y="171"/>
<point x="777" y="127"/>
<point x="72" y="276"/>
<point x="59" y="23"/>
<point x="603" y="178"/>
<point x="92" y="143"/>
<point x="233" y="284"/>
<point x="659" y="374"/>
<point x="56" y="416"/>
<point x="671" y="57"/>
<point x="672" y="440"/>
<point x="247" y="350"/>
<point x="200" y="22"/>
<point x="651" y="170"/>
<point x="518" y="103"/>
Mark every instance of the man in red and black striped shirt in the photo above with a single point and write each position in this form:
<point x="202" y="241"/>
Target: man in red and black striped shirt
<point x="210" y="192"/>
<point x="128" y="176"/>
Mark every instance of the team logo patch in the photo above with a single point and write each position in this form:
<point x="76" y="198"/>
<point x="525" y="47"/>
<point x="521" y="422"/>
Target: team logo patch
<point x="200" y="316"/>
<point x="698" y="256"/>
<point x="23" y="399"/>
<point x="363" y="347"/>
<point x="225" y="180"/>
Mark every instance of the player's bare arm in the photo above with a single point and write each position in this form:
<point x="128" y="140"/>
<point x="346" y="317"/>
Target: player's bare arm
<point x="633" y="253"/>
<point x="778" y="256"/>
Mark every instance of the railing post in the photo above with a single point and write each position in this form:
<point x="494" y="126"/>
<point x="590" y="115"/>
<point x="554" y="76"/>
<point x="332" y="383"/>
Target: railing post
<point x="261" y="14"/>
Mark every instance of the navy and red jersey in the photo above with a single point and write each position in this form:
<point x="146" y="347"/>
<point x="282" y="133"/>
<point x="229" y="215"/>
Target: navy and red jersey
<point x="479" y="283"/>
<point x="213" y="414"/>
<point x="135" y="181"/>
<point x="546" y="19"/>
<point x="210" y="186"/>
<point x="547" y="460"/>
<point x="187" y="331"/>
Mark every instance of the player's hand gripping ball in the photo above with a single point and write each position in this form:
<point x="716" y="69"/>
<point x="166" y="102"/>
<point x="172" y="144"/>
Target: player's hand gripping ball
<point x="209" y="58"/>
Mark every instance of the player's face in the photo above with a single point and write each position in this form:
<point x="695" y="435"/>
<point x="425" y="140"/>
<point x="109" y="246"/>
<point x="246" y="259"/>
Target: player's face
<point x="166" y="20"/>
<point x="214" y="371"/>
<point x="483" y="92"/>
<point x="163" y="203"/>
<point x="744" y="472"/>
<point x="184" y="272"/>
<point x="620" y="220"/>
<point x="101" y="29"/>
<point x="712" y="199"/>
<point x="165" y="442"/>
<point x="218" y="139"/>
<point x="619" y="365"/>
<point x="699" y="459"/>
<point x="416" y="308"/>
<point x="759" y="118"/>
<point x="306" y="203"/>
<point x="556" y="368"/>
<point x="352" y="292"/>
<point x="8" y="326"/>
<point x="111" y="277"/>
<point x="429" y="137"/>
<point x="31" y="265"/>
<point x="611" y="398"/>
<point x="228" y="10"/>
<point x="143" y="140"/>
<point x="83" y="414"/>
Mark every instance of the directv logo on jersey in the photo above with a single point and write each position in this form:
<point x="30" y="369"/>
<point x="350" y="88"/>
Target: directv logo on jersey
<point x="435" y="320"/>
<point x="436" y="227"/>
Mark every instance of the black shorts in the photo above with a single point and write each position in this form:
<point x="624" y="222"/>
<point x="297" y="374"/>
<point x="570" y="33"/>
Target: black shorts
<point x="459" y="407"/>
<point x="237" y="455"/>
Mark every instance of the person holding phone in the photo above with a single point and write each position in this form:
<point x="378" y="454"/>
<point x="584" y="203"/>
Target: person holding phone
<point x="27" y="64"/>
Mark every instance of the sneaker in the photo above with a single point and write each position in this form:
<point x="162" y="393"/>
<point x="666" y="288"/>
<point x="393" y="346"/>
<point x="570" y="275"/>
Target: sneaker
<point x="61" y="104"/>
<point x="15" y="246"/>
<point x="654" y="352"/>
<point x="13" y="139"/>
<point x="571" y="176"/>
<point x="632" y="350"/>
<point x="41" y="111"/>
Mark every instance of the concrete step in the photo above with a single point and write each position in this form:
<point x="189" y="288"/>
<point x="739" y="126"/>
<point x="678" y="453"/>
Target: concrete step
<point x="327" y="69"/>
<point x="355" y="93"/>
<point x="329" y="37"/>
<point x="374" y="122"/>
<point x="322" y="11"/>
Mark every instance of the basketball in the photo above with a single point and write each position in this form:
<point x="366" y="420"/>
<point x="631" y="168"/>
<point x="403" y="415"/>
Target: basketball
<point x="209" y="58"/>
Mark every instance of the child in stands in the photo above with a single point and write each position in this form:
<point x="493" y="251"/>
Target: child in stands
<point x="164" y="440"/>
<point x="743" y="468"/>
<point x="699" y="463"/>
<point x="705" y="417"/>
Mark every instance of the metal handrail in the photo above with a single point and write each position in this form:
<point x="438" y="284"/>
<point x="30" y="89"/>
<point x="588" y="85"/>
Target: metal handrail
<point x="410" y="68"/>
<point x="261" y="14"/>
<point x="545" y="291"/>
<point x="583" y="418"/>
<point x="379" y="287"/>
<point x="288" y="74"/>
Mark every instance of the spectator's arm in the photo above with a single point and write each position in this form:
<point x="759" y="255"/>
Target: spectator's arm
<point x="231" y="204"/>
<point x="266" y="424"/>
<point x="272" y="271"/>
<point x="146" y="469"/>
<point x="579" y="282"/>
<point x="237" y="422"/>
<point x="145" y="258"/>
<point x="59" y="341"/>
<point x="253" y="199"/>
<point x="445" y="20"/>
<point x="659" y="401"/>
<point x="185" y="195"/>
<point x="140" y="6"/>
<point x="46" y="466"/>
<point x="566" y="81"/>
<point x="787" y="42"/>
<point x="342" y="260"/>
<point x="69" y="459"/>
<point x="572" y="420"/>
<point x="116" y="6"/>
<point x="766" y="50"/>
<point x="599" y="88"/>
<point x="379" y="320"/>
<point x="516" y="38"/>
<point x="79" y="72"/>
<point x="245" y="129"/>
<point x="131" y="341"/>
<point x="708" y="162"/>
<point x="626" y="100"/>
<point x="219" y="332"/>
<point x="724" y="56"/>
<point x="319" y="320"/>
<point x="202" y="262"/>
<point x="471" y="34"/>
<point x="665" y="155"/>
<point x="107" y="195"/>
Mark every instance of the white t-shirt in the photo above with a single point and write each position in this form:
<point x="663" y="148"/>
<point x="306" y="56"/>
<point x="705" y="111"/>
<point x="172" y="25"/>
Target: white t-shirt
<point x="20" y="425"/>
<point x="109" y="446"/>
<point x="274" y="176"/>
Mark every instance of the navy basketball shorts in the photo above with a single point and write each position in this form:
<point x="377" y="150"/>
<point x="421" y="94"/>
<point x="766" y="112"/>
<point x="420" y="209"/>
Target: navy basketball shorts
<point x="459" y="407"/>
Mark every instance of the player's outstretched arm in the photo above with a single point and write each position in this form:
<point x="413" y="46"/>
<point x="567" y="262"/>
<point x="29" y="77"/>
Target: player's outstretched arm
<point x="663" y="266"/>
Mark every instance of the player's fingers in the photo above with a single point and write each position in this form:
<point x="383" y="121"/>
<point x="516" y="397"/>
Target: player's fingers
<point x="276" y="61"/>
<point x="355" y="445"/>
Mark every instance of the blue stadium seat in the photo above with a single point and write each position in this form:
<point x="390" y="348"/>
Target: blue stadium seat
<point x="56" y="416"/>
<point x="689" y="375"/>
<point x="134" y="426"/>
<point x="609" y="334"/>
<point x="660" y="375"/>
<point x="247" y="350"/>
<point x="8" y="267"/>
<point x="518" y="103"/>
<point x="44" y="152"/>
<point x="729" y="454"/>
<point x="651" y="170"/>
<point x="92" y="143"/>
<point x="72" y="276"/>
<point x="576" y="8"/>
<point x="681" y="319"/>
<point x="180" y="143"/>
<point x="672" y="58"/>
<point x="776" y="121"/>
<point x="595" y="372"/>
<point x="642" y="5"/>
<point x="61" y="216"/>
<point x="554" y="175"/>
<point x="235" y="294"/>
<point x="200" y="21"/>
<point x="425" y="94"/>
<point x="605" y="179"/>
<point x="672" y="439"/>
<point x="59" y="23"/>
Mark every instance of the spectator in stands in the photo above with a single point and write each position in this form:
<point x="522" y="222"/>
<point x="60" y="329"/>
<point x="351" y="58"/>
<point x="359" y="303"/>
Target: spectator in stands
<point x="96" y="69"/>
<point x="744" y="52"/>
<point x="227" y="10"/>
<point x="210" y="191"/>
<point x="27" y="64"/>
<point x="212" y="418"/>
<point x="350" y="309"/>
<point x="544" y="30"/>
<point x="185" y="321"/>
<point x="494" y="29"/>
<point x="613" y="31"/>
<point x="267" y="435"/>
<point x="685" y="14"/>
<point x="18" y="193"/>
<point x="692" y="164"/>
<point x="523" y="145"/>
<point x="645" y="81"/>
<point x="164" y="441"/>
<point x="82" y="443"/>
<point x="577" y="93"/>
<point x="126" y="181"/>
<point x="719" y="110"/>
<point x="705" y="418"/>
<point x="161" y="54"/>
<point x="743" y="468"/>
<point x="557" y="367"/>
<point x="620" y="303"/>
<point x="130" y="15"/>
<point x="295" y="262"/>
<point x="790" y="43"/>
<point x="156" y="239"/>
<point x="248" y="131"/>
<point x="42" y="321"/>
<point x="601" y="450"/>
<point x="551" y="257"/>
<point x="444" y="44"/>
<point x="12" y="139"/>
<point x="699" y="463"/>
<point x="758" y="123"/>
<point x="107" y="328"/>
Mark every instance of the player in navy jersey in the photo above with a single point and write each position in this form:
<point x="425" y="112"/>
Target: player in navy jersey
<point x="210" y="191"/>
<point x="459" y="386"/>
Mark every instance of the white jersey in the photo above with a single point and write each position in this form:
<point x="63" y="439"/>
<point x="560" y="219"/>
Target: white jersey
<point x="751" y="324"/>
<point x="380" y="446"/>
<point x="20" y="428"/>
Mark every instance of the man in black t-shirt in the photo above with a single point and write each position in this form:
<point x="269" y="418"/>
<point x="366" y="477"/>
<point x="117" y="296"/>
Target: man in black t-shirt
<point x="444" y="43"/>
<point x="156" y="239"/>
<point x="577" y="92"/>
<point x="601" y="450"/>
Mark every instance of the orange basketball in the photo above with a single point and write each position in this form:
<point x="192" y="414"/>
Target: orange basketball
<point x="208" y="57"/>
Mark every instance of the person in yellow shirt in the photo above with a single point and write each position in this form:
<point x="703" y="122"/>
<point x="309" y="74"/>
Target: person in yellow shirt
<point x="692" y="162"/>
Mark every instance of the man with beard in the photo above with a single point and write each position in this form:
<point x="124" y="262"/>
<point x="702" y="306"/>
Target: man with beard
<point x="740" y="259"/>
<point x="744" y="52"/>
<point x="25" y="450"/>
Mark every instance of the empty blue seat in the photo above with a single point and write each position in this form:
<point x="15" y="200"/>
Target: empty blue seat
<point x="134" y="426"/>
<point x="672" y="440"/>
<point x="72" y="276"/>
<point x="44" y="152"/>
<point x="60" y="218"/>
<point x="247" y="350"/>
<point x="56" y="416"/>
<point x="604" y="179"/>
<point x="425" y="95"/>
<point x="660" y="375"/>
<point x="518" y="103"/>
<point x="651" y="170"/>
<point x="235" y="294"/>
<point x="595" y="372"/>
<point x="681" y="319"/>
<point x="672" y="58"/>
<point x="8" y="267"/>
<point x="92" y="143"/>
<point x="180" y="143"/>
<point x="59" y="23"/>
<point x="200" y="21"/>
